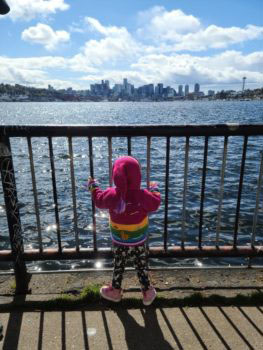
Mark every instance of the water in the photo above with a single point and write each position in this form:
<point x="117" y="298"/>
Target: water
<point x="130" y="113"/>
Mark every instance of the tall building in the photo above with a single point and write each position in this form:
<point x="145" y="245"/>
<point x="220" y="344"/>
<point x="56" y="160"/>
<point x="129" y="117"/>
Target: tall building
<point x="107" y="84"/>
<point x="117" y="89"/>
<point x="211" y="93"/>
<point x="160" y="89"/>
<point x="146" y="90"/>
<point x="197" y="88"/>
<point x="180" y="90"/>
<point x="169" y="92"/>
<point x="125" y="84"/>
<point x="127" y="87"/>
<point x="150" y="89"/>
<point x="186" y="90"/>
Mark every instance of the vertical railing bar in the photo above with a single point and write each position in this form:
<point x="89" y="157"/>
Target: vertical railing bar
<point x="53" y="175"/>
<point x="148" y="173"/>
<point x="93" y="205"/>
<point x="242" y="169"/>
<point x="166" y="191"/>
<point x="110" y="159"/>
<point x="203" y="193"/>
<point x="148" y="170"/>
<point x="12" y="215"/>
<point x="221" y="194"/>
<point x="29" y="144"/>
<point x="255" y="218"/>
<point x="129" y="145"/>
<point x="73" y="189"/>
<point x="186" y="160"/>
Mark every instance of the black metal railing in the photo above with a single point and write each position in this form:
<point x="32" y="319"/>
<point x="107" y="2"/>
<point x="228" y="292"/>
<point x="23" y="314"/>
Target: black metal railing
<point x="19" y="255"/>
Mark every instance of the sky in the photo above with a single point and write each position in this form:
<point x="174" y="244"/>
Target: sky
<point x="75" y="43"/>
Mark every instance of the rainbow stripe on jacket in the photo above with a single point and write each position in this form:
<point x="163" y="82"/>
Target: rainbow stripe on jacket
<point x="133" y="234"/>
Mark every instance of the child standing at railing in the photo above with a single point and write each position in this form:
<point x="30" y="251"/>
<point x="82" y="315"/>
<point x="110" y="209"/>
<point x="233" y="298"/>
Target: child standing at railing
<point x="128" y="207"/>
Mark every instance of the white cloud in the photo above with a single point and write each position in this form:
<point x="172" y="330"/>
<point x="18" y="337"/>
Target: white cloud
<point x="160" y="24"/>
<point x="20" y="75"/>
<point x="235" y="59"/>
<point x="76" y="27"/>
<point x="113" y="53"/>
<point x="225" y="68"/>
<point x="38" y="71"/>
<point x="27" y="71"/>
<point x="184" y="68"/>
<point x="218" y="37"/>
<point x="95" y="25"/>
<point x="29" y="9"/>
<point x="80" y="63"/>
<point x="45" y="35"/>
<point x="34" y="63"/>
<point x="176" y="31"/>
<point x="109" y="50"/>
<point x="117" y="44"/>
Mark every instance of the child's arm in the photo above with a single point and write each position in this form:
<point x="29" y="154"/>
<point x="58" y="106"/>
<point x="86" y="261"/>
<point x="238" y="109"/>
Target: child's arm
<point x="151" y="198"/>
<point x="102" y="199"/>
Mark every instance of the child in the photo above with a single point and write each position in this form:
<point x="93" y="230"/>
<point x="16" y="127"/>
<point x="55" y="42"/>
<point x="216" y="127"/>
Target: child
<point x="128" y="207"/>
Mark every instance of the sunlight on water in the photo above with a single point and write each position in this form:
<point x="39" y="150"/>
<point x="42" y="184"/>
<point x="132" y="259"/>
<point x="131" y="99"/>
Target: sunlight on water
<point x="29" y="246"/>
<point x="102" y="214"/>
<point x="141" y="113"/>
<point x="198" y="263"/>
<point x="51" y="227"/>
<point x="98" y="264"/>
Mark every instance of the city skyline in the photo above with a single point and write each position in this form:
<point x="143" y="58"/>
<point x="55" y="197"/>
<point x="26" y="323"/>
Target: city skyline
<point x="159" y="89"/>
<point x="74" y="43"/>
<point x="122" y="92"/>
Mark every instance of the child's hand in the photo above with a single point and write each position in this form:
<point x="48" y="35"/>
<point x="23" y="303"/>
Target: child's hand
<point x="91" y="184"/>
<point x="153" y="186"/>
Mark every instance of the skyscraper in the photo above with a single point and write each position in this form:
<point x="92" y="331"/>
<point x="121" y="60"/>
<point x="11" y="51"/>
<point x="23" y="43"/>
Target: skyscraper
<point x="197" y="88"/>
<point x="160" y="89"/>
<point x="180" y="90"/>
<point x="125" y="83"/>
<point x="107" y="83"/>
<point x="186" y="90"/>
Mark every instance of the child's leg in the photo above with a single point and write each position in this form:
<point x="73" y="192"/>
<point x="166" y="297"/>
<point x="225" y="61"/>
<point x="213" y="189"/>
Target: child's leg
<point x="140" y="264"/>
<point x="120" y="255"/>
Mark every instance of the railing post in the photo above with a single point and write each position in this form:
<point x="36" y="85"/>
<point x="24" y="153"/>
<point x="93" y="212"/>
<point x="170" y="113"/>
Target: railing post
<point x="12" y="213"/>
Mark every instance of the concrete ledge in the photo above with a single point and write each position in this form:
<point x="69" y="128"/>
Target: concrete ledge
<point x="175" y="288"/>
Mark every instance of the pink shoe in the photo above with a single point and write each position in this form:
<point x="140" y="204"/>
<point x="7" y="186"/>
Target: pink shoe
<point x="110" y="293"/>
<point x="149" y="295"/>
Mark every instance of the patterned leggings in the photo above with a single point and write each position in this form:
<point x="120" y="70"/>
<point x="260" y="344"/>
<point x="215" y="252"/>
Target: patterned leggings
<point x="139" y="257"/>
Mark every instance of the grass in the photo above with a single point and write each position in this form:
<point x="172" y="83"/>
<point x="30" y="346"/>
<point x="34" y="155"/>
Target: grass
<point x="89" y="298"/>
<point x="13" y="286"/>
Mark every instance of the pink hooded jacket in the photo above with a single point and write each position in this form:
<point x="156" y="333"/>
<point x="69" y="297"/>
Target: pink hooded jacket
<point x="127" y="203"/>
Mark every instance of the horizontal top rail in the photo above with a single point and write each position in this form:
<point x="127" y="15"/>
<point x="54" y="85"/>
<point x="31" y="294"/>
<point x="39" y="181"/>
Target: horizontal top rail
<point x="231" y="129"/>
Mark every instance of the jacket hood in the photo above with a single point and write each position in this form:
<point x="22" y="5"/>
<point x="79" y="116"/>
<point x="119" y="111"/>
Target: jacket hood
<point x="126" y="174"/>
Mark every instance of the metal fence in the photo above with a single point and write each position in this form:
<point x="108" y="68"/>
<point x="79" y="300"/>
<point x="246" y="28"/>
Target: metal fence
<point x="19" y="255"/>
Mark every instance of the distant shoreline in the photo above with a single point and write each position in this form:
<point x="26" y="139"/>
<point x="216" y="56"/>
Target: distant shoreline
<point x="134" y="101"/>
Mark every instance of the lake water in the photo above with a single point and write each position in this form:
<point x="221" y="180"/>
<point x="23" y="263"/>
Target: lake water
<point x="130" y="113"/>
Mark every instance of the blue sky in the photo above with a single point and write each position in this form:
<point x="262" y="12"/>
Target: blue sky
<point x="69" y="43"/>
